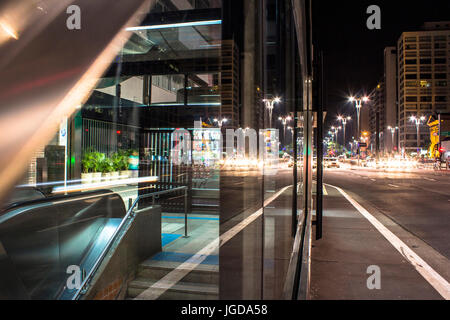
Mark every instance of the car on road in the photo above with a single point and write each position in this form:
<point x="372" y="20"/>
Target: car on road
<point x="330" y="162"/>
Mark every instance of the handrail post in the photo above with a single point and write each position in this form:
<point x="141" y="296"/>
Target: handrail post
<point x="185" y="212"/>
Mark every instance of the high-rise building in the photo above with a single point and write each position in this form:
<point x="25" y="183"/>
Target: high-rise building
<point x="383" y="113"/>
<point x="390" y="109"/>
<point x="423" y="80"/>
<point x="376" y="117"/>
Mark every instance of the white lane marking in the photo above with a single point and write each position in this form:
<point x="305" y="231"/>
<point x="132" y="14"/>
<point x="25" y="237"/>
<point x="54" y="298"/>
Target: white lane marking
<point x="393" y="185"/>
<point x="431" y="276"/>
<point x="430" y="179"/>
<point x="373" y="180"/>
<point x="175" y="276"/>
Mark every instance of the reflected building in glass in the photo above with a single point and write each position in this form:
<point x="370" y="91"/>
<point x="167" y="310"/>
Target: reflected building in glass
<point x="166" y="180"/>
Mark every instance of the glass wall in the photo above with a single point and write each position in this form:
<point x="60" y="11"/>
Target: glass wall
<point x="195" y="130"/>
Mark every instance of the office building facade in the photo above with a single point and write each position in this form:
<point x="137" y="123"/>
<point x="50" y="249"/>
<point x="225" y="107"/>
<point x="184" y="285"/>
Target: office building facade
<point x="383" y="113"/>
<point x="423" y="81"/>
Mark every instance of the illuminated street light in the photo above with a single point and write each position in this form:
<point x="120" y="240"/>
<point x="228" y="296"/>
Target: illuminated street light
<point x="269" y="105"/>
<point x="418" y="121"/>
<point x="344" y="123"/>
<point x="284" y="120"/>
<point x="292" y="133"/>
<point x="392" y="129"/>
<point x="220" y="122"/>
<point x="358" y="104"/>
<point x="334" y="131"/>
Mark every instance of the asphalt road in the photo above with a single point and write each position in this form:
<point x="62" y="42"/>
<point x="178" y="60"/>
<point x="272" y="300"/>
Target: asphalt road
<point x="418" y="202"/>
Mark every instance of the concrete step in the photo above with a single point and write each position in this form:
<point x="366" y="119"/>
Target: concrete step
<point x="155" y="270"/>
<point x="179" y="291"/>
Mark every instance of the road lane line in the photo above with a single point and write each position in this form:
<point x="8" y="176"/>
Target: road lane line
<point x="428" y="273"/>
<point x="176" y="275"/>
<point x="325" y="193"/>
<point x="373" y="180"/>
<point x="430" y="179"/>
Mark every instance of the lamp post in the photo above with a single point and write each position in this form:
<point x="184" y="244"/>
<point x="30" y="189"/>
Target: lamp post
<point x="284" y="121"/>
<point x="335" y="131"/>
<point x="344" y="123"/>
<point x="392" y="129"/>
<point x="292" y="133"/>
<point x="269" y="105"/>
<point x="358" y="104"/>
<point x="418" y="121"/>
<point x="220" y="122"/>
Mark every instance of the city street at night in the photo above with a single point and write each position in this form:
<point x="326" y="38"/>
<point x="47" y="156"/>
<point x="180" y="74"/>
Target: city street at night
<point x="413" y="205"/>
<point x="225" y="159"/>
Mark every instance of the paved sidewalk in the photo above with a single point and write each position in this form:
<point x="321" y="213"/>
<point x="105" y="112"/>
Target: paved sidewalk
<point x="351" y="244"/>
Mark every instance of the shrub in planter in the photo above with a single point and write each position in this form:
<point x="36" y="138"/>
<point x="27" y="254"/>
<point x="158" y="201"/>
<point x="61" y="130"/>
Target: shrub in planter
<point x="123" y="164"/>
<point x="87" y="164"/>
<point x="116" y="159"/>
<point x="106" y="167"/>
<point x="98" y="164"/>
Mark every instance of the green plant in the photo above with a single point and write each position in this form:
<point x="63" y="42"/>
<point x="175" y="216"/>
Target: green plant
<point x="123" y="162"/>
<point x="106" y="165"/>
<point x="98" y="161"/>
<point x="87" y="162"/>
<point x="116" y="159"/>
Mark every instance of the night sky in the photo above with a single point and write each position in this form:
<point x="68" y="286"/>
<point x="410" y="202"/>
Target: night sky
<point x="353" y="54"/>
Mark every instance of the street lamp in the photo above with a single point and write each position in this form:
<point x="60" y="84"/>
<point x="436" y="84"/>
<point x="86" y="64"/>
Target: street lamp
<point x="335" y="131"/>
<point x="392" y="129"/>
<point x="418" y="121"/>
<point x="358" y="104"/>
<point x="269" y="105"/>
<point x="284" y="120"/>
<point x="292" y="134"/>
<point x="344" y="122"/>
<point x="220" y="122"/>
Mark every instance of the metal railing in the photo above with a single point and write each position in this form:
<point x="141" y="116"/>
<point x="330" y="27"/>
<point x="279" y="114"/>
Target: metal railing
<point x="129" y="215"/>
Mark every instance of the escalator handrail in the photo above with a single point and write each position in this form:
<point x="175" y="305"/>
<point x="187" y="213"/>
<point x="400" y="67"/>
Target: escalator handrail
<point x="129" y="215"/>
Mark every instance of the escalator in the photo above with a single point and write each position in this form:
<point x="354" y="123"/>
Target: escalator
<point x="40" y="239"/>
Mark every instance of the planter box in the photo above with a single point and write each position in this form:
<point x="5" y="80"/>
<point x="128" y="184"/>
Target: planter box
<point x="97" y="177"/>
<point x="124" y="174"/>
<point x="87" y="178"/>
<point x="114" y="175"/>
<point x="106" y="176"/>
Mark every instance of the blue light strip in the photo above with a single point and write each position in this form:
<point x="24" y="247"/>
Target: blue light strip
<point x="176" y="25"/>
